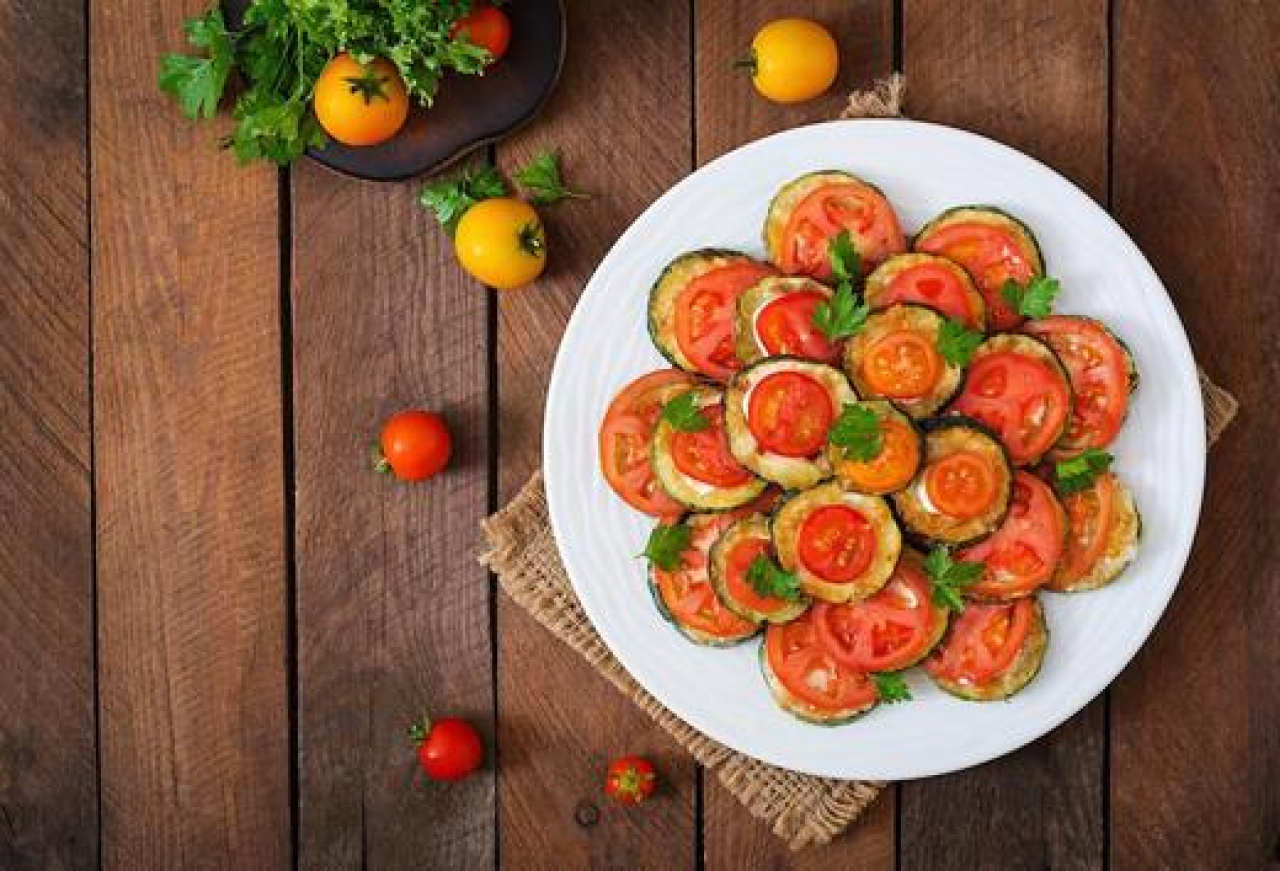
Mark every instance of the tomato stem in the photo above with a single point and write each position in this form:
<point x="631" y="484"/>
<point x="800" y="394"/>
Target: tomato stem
<point x="369" y="85"/>
<point x="379" y="461"/>
<point x="532" y="240"/>
<point x="747" y="62"/>
<point x="420" y="730"/>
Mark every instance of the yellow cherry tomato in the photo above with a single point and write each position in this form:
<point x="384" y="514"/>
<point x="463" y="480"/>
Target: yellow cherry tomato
<point x="792" y="60"/>
<point x="501" y="242"/>
<point x="361" y="104"/>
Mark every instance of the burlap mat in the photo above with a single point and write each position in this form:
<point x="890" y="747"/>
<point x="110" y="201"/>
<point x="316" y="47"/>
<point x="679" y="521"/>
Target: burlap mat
<point x="800" y="809"/>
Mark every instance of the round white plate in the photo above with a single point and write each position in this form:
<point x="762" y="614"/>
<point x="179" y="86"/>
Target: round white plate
<point x="923" y="169"/>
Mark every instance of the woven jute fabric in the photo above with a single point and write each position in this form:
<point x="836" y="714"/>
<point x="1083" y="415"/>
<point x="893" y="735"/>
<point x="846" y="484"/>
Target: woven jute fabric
<point x="521" y="551"/>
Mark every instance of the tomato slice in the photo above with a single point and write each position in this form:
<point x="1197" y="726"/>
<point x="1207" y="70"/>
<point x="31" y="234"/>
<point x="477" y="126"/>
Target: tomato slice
<point x="962" y="485"/>
<point x="836" y="543"/>
<point x="992" y="256"/>
<point x="704" y="455"/>
<point x="1022" y="554"/>
<point x="786" y="326"/>
<point x="824" y="212"/>
<point x="737" y="561"/>
<point x="807" y="670"/>
<point x="790" y="413"/>
<point x="983" y="641"/>
<point x="889" y="631"/>
<point x="936" y="286"/>
<point x="1025" y="400"/>
<point x="688" y="593"/>
<point x="1090" y="515"/>
<point x="1098" y="368"/>
<point x="626" y="435"/>
<point x="705" y="311"/>
<point x="892" y="469"/>
<point x="902" y="365"/>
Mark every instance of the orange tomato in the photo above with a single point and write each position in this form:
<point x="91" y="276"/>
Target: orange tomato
<point x="361" y="104"/>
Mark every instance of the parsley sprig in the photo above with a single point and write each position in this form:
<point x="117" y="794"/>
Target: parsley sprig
<point x="891" y="687"/>
<point x="667" y="544"/>
<point x="956" y="342"/>
<point x="1033" y="299"/>
<point x="846" y="312"/>
<point x="450" y="197"/>
<point x="767" y="578"/>
<point x="542" y="180"/>
<point x="1079" y="473"/>
<point x="857" y="433"/>
<point x="950" y="577"/>
<point x="684" y="413"/>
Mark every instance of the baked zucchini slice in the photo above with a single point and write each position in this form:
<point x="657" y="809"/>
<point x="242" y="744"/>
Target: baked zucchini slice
<point x="685" y="597"/>
<point x="696" y="468"/>
<point x="895" y="356"/>
<point x="805" y="679"/>
<point x="991" y="651"/>
<point x="1021" y="556"/>
<point x="928" y="280"/>
<point x="807" y="212"/>
<point x="731" y="559"/>
<point x="1017" y="386"/>
<point x="778" y="412"/>
<point x="775" y="318"/>
<point x="993" y="246"/>
<point x="841" y="545"/>
<point x="964" y="487"/>
<point x="693" y="305"/>
<point x="1104" y="528"/>
<point x="901" y="449"/>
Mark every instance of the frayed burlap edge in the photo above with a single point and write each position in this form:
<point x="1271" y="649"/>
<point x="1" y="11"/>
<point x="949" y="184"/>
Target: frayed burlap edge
<point x="883" y="99"/>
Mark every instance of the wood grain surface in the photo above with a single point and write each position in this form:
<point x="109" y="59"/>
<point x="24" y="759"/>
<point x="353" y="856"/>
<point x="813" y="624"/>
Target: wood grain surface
<point x="1034" y="75"/>
<point x="189" y="477"/>
<point x="1195" y="727"/>
<point x="48" y="776"/>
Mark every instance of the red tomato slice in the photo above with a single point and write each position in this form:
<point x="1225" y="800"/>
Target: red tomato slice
<point x="626" y="435"/>
<point x="688" y="593"/>
<point x="935" y="286"/>
<point x="790" y="413"/>
<point x="991" y="256"/>
<point x="962" y="485"/>
<point x="1090" y="514"/>
<point x="704" y="455"/>
<point x="983" y="641"/>
<point x="807" y="670"/>
<point x="1023" y="399"/>
<point x="1023" y="553"/>
<point x="785" y="326"/>
<point x="737" y="561"/>
<point x="893" y="468"/>
<point x="1099" y="372"/>
<point x="836" y="543"/>
<point x="705" y="311"/>
<point x="902" y="365"/>
<point x="859" y="208"/>
<point x="889" y="631"/>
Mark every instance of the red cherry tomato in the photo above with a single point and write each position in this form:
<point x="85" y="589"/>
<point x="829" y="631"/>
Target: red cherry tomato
<point x="789" y="414"/>
<point x="630" y="780"/>
<point x="704" y="455"/>
<point x="488" y="27"/>
<point x="786" y="326"/>
<point x="448" y="749"/>
<point x="414" y="445"/>
<point x="836" y="543"/>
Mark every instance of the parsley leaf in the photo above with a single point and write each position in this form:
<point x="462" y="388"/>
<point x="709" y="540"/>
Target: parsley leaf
<point x="451" y="197"/>
<point x="667" y="544"/>
<point x="891" y="687"/>
<point x="956" y="343"/>
<point x="846" y="262"/>
<point x="857" y="430"/>
<point x="1034" y="299"/>
<point x="950" y="577"/>
<point x="684" y="414"/>
<point x="197" y="83"/>
<point x="1079" y="473"/>
<point x="542" y="181"/>
<point x="768" y="579"/>
<point x="845" y="313"/>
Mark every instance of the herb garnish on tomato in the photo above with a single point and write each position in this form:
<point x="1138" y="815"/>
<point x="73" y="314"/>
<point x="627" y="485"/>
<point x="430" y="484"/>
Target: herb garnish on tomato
<point x="858" y="433"/>
<point x="1078" y="473"/>
<point x="767" y="578"/>
<point x="846" y="311"/>
<point x="950" y="577"/>
<point x="956" y="342"/>
<point x="684" y="414"/>
<point x="891" y="687"/>
<point x="1033" y="299"/>
<point x="667" y="544"/>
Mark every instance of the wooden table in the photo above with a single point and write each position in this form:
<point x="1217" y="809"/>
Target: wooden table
<point x="215" y="623"/>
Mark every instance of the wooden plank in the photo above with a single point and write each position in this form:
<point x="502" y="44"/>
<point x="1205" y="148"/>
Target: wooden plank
<point x="189" y="472"/>
<point x="393" y="609"/>
<point x="1195" y="762"/>
<point x="728" y="113"/>
<point x="1032" y="74"/>
<point x="48" y="781"/>
<point x="620" y="117"/>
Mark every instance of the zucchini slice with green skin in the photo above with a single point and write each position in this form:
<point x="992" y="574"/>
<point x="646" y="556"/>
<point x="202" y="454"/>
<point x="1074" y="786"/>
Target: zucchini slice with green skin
<point x="792" y="472"/>
<point x="807" y="682"/>
<point x="902" y="451"/>
<point x="927" y="524"/>
<point x="686" y="489"/>
<point x="1020" y="671"/>
<point x="1091" y="562"/>
<point x="802" y="536"/>
<point x="686" y="599"/>
<point x="806" y="294"/>
<point x="731" y="557"/>
<point x="868" y="354"/>
<point x="928" y="280"/>
<point x="679" y="275"/>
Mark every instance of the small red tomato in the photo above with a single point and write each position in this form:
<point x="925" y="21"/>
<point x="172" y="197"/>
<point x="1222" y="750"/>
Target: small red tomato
<point x="448" y="749"/>
<point x="488" y="27"/>
<point x="630" y="780"/>
<point x="414" y="446"/>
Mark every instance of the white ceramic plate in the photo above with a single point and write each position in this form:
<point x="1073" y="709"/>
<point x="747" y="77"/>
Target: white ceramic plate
<point x="922" y="168"/>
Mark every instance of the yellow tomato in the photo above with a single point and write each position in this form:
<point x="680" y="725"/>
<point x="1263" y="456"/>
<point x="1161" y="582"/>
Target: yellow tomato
<point x="361" y="104"/>
<point x="501" y="242"/>
<point x="793" y="59"/>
